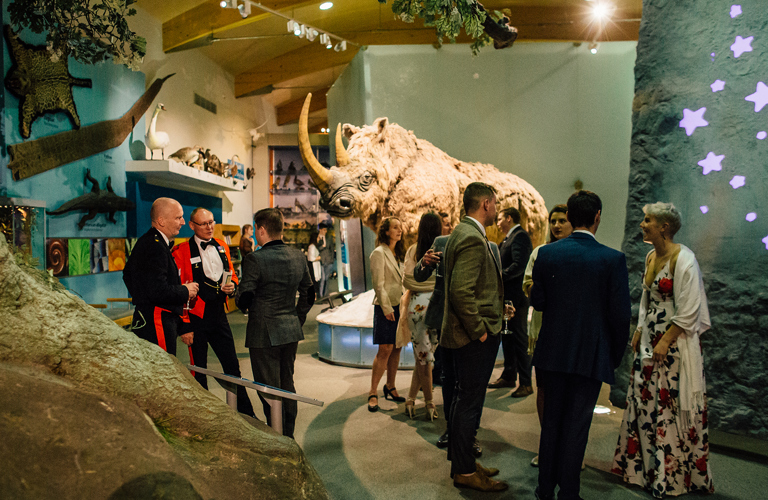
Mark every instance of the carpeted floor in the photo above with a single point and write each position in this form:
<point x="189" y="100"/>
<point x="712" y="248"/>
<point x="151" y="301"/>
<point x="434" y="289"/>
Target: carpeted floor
<point x="362" y="455"/>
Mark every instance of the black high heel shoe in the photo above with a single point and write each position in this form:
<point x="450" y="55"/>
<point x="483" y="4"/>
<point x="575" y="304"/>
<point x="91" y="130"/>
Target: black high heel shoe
<point x="374" y="407"/>
<point x="390" y="394"/>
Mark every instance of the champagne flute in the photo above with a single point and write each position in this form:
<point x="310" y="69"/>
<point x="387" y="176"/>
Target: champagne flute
<point x="507" y="304"/>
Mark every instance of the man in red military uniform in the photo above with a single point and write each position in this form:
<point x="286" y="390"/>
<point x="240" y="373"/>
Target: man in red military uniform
<point x="206" y="261"/>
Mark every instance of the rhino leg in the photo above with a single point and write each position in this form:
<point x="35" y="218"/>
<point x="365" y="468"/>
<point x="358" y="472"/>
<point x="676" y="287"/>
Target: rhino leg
<point x="111" y="217"/>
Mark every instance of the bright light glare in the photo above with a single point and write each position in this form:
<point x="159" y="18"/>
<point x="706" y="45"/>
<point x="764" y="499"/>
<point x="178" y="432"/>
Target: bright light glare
<point x="326" y="5"/>
<point x="601" y="10"/>
<point x="602" y="410"/>
<point x="223" y="4"/>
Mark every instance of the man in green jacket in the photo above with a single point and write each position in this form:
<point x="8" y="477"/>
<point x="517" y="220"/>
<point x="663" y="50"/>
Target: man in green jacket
<point x="474" y="298"/>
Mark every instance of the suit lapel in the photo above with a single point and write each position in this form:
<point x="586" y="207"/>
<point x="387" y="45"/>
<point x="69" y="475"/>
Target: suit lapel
<point x="391" y="258"/>
<point x="487" y="244"/>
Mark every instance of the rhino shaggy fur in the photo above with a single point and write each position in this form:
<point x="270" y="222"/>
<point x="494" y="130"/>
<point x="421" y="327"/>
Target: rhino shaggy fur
<point x="48" y="327"/>
<point x="411" y="176"/>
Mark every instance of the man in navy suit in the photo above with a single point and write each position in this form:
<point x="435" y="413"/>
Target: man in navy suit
<point x="582" y="289"/>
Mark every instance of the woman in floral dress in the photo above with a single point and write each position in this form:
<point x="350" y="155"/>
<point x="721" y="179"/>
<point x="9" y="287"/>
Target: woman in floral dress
<point x="417" y="296"/>
<point x="663" y="443"/>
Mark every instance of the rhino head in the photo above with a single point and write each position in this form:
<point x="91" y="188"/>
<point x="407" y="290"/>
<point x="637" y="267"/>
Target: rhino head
<point x="357" y="186"/>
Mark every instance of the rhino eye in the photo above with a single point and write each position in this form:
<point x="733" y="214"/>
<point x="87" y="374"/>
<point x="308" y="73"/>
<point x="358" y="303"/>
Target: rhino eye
<point x="366" y="180"/>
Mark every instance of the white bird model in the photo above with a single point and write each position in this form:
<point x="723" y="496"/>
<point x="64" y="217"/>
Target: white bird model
<point x="155" y="139"/>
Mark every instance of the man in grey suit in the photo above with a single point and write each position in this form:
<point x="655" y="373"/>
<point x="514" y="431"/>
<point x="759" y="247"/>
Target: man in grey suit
<point x="271" y="278"/>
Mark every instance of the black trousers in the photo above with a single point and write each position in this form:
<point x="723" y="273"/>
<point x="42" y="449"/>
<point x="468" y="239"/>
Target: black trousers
<point x="213" y="329"/>
<point x="515" y="347"/>
<point x="473" y="365"/>
<point x="569" y="403"/>
<point x="156" y="325"/>
<point x="274" y="366"/>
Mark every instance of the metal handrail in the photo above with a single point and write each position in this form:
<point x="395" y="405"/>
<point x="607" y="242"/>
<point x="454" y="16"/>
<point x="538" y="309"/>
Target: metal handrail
<point x="230" y="383"/>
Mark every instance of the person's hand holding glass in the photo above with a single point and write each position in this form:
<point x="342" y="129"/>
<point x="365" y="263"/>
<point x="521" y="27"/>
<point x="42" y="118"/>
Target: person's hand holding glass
<point x="509" y="312"/>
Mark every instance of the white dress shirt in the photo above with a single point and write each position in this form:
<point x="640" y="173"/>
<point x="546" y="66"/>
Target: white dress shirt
<point x="212" y="265"/>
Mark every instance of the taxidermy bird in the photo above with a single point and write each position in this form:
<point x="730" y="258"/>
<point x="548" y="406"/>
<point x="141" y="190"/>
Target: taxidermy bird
<point x="186" y="155"/>
<point x="155" y="139"/>
<point x="212" y="163"/>
<point x="299" y="186"/>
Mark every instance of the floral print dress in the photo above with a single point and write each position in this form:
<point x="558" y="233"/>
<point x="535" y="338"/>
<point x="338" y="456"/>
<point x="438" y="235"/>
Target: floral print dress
<point x="424" y="338"/>
<point x="654" y="450"/>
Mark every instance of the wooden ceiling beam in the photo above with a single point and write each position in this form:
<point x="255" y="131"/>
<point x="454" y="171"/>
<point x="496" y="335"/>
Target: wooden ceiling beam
<point x="289" y="112"/>
<point x="308" y="59"/>
<point x="209" y="19"/>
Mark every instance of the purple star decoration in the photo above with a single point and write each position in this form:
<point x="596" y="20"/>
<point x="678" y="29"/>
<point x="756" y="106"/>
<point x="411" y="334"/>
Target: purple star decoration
<point x="717" y="86"/>
<point x="704" y="209"/>
<point x="751" y="216"/>
<point x="735" y="11"/>
<point x="762" y="135"/>
<point x="765" y="240"/>
<point x="742" y="45"/>
<point x="737" y="181"/>
<point x="711" y="162"/>
<point x="760" y="97"/>
<point x="693" y="119"/>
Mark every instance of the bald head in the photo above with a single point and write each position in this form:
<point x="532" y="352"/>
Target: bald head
<point x="167" y="216"/>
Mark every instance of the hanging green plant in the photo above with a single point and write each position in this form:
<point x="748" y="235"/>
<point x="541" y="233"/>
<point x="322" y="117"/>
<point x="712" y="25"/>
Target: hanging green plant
<point x="91" y="31"/>
<point x="449" y="16"/>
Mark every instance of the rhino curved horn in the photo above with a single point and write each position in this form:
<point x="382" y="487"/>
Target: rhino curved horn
<point x="342" y="157"/>
<point x="320" y="175"/>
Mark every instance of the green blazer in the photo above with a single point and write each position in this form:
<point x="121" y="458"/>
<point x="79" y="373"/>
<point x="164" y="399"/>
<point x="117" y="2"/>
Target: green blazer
<point x="474" y="290"/>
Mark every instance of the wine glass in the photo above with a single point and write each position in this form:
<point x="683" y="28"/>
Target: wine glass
<point x="507" y="304"/>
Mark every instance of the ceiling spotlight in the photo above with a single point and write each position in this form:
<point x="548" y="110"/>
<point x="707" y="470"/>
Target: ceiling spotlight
<point x="326" y="40"/>
<point x="299" y="30"/>
<point x="602" y="10"/>
<point x="228" y="4"/>
<point x="291" y="24"/>
<point x="245" y="9"/>
<point x="593" y="47"/>
<point x="326" y="5"/>
<point x="311" y="34"/>
<point x="341" y="46"/>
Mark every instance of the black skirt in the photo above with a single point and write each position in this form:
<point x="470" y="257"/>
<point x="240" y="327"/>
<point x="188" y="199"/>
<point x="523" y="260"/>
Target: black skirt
<point x="384" y="331"/>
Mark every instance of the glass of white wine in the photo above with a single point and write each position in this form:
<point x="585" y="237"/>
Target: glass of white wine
<point x="507" y="305"/>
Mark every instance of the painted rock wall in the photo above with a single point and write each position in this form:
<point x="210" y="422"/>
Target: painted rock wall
<point x="699" y="141"/>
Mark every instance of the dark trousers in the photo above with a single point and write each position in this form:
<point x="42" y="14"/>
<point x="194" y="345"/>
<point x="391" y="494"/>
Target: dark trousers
<point x="437" y="368"/>
<point x="274" y="366"/>
<point x="515" y="347"/>
<point x="473" y="365"/>
<point x="568" y="406"/>
<point x="156" y="325"/>
<point x="213" y="329"/>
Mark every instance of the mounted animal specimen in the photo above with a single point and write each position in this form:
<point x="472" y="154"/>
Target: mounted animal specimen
<point x="156" y="139"/>
<point x="213" y="164"/>
<point x="387" y="171"/>
<point x="34" y="157"/>
<point x="187" y="156"/>
<point x="96" y="202"/>
<point x="42" y="85"/>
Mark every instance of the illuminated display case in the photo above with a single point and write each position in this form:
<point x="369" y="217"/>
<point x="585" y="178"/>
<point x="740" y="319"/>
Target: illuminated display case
<point x="22" y="222"/>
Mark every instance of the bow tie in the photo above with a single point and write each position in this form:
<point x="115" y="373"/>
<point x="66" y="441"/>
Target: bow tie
<point x="206" y="244"/>
<point x="171" y="244"/>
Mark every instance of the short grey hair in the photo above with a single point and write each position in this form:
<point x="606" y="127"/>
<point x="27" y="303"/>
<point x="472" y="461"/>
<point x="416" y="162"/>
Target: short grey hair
<point x="665" y="213"/>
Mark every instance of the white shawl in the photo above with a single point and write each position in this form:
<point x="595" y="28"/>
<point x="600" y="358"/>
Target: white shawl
<point x="692" y="315"/>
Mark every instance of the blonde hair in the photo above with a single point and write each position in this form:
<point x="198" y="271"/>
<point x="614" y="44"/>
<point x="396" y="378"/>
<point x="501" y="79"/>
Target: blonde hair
<point x="665" y="213"/>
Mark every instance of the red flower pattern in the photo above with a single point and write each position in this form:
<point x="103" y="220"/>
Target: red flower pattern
<point x="665" y="286"/>
<point x="646" y="395"/>
<point x="665" y="400"/>
<point x="701" y="464"/>
<point x="647" y="372"/>
<point x="632" y="446"/>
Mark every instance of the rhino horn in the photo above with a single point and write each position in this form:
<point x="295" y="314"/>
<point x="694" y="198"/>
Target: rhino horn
<point x="342" y="157"/>
<point x="320" y="176"/>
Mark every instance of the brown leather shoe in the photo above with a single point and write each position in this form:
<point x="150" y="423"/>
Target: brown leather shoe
<point x="486" y="471"/>
<point x="479" y="482"/>
<point x="500" y="382"/>
<point x="522" y="391"/>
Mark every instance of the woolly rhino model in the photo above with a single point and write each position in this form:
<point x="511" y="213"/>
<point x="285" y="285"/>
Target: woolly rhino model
<point x="387" y="171"/>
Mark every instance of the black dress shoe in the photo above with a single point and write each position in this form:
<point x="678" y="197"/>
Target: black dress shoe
<point x="500" y="382"/>
<point x="522" y="391"/>
<point x="477" y="451"/>
<point x="442" y="441"/>
<point x="390" y="394"/>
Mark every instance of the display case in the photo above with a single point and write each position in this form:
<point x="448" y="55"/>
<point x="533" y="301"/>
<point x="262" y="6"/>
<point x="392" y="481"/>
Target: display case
<point x="22" y="222"/>
<point x="292" y="191"/>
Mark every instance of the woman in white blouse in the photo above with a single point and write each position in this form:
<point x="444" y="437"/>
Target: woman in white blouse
<point x="387" y="274"/>
<point x="313" y="257"/>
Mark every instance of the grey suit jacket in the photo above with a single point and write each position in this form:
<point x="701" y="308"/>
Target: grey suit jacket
<point x="271" y="278"/>
<point x="434" y="316"/>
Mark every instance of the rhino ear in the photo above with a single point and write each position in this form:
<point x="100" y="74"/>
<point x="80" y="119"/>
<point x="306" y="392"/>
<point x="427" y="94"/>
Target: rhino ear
<point x="349" y="130"/>
<point x="381" y="127"/>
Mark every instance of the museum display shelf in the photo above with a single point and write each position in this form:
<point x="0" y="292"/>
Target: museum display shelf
<point x="176" y="175"/>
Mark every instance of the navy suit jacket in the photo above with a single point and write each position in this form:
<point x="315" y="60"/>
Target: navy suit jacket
<point x="515" y="251"/>
<point x="582" y="289"/>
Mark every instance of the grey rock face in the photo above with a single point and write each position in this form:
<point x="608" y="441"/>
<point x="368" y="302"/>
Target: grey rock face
<point x="684" y="47"/>
<point x="44" y="326"/>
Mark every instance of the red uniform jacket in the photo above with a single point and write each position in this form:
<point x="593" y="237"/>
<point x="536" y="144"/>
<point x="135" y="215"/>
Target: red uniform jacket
<point x="182" y="256"/>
